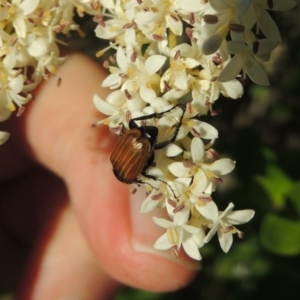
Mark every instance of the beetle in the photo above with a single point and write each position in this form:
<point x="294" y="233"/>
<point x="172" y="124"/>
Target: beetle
<point x="134" y="152"/>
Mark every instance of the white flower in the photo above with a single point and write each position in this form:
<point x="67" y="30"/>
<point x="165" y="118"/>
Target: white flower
<point x="39" y="47"/>
<point x="155" y="17"/>
<point x="201" y="163"/>
<point x="191" y="238"/>
<point x="116" y="107"/>
<point x="171" y="84"/>
<point x="218" y="20"/>
<point x="179" y="206"/>
<point x="11" y="86"/>
<point x="177" y="75"/>
<point x="222" y="222"/>
<point x="118" y="74"/>
<point x="232" y="89"/>
<point x="239" y="7"/>
<point x="21" y="21"/>
<point x="143" y="77"/>
<point x="15" y="50"/>
<point x="264" y="21"/>
<point x="158" y="195"/>
<point x="120" y="26"/>
<point x="47" y="65"/>
<point x="245" y="59"/>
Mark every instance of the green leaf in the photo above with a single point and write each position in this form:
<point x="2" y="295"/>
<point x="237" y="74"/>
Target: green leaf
<point x="242" y="261"/>
<point x="294" y="196"/>
<point x="276" y="184"/>
<point x="280" y="235"/>
<point x="269" y="154"/>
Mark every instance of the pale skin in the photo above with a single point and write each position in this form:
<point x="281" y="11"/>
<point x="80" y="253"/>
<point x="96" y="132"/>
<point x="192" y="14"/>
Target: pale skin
<point x="58" y="193"/>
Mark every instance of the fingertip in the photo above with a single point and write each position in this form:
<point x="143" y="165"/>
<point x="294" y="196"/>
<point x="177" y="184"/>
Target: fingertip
<point x="130" y="259"/>
<point x="58" y="130"/>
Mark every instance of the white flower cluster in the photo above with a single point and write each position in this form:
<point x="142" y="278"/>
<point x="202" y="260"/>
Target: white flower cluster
<point x="152" y="72"/>
<point x="28" y="46"/>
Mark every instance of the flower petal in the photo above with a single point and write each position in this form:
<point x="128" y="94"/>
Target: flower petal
<point x="205" y="130"/>
<point x="211" y="233"/>
<point x="200" y="183"/>
<point x="242" y="6"/>
<point x="178" y="169"/>
<point x="225" y="240"/>
<point x="163" y="222"/>
<point x="162" y="243"/>
<point x="172" y="150"/>
<point x="121" y="59"/>
<point x="103" y="106"/>
<point x="235" y="47"/>
<point x="266" y="46"/>
<point x="232" y="89"/>
<point x="209" y="210"/>
<point x="212" y="44"/>
<point x="197" y="150"/>
<point x="240" y="216"/>
<point x="147" y="94"/>
<point x="39" y="47"/>
<point x="221" y="166"/>
<point x="256" y="72"/>
<point x="154" y="63"/>
<point x="16" y="84"/>
<point x="218" y="5"/>
<point x="191" y="248"/>
<point x="113" y="81"/>
<point x="174" y="25"/>
<point x="232" y="69"/>
<point x="181" y="217"/>
<point x="149" y="204"/>
<point x="28" y="6"/>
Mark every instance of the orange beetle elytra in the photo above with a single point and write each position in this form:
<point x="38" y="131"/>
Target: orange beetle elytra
<point x="134" y="152"/>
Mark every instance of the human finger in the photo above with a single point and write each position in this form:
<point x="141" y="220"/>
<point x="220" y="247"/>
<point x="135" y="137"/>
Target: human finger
<point x="57" y="131"/>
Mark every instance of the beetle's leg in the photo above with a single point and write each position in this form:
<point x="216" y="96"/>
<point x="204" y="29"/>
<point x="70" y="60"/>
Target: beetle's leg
<point x="132" y="124"/>
<point x="173" y="138"/>
<point x="139" y="182"/>
<point x="150" y="176"/>
<point x="149" y="163"/>
<point x="123" y="129"/>
<point x="157" y="115"/>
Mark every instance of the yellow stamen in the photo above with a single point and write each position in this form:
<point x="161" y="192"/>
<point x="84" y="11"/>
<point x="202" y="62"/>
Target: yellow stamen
<point x="172" y="236"/>
<point x="172" y="39"/>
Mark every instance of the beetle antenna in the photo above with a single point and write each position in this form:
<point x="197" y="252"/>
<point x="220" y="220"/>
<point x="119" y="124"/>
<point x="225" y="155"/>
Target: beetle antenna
<point x="157" y="179"/>
<point x="169" y="187"/>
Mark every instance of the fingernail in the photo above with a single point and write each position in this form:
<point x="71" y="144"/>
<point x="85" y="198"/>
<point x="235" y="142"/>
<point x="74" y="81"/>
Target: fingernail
<point x="145" y="232"/>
